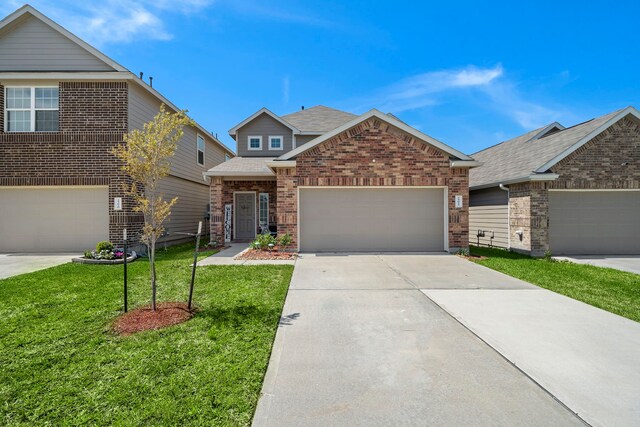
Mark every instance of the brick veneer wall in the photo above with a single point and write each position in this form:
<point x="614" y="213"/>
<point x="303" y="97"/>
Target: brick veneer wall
<point x="375" y="153"/>
<point x="611" y="160"/>
<point x="80" y="154"/>
<point x="222" y="194"/>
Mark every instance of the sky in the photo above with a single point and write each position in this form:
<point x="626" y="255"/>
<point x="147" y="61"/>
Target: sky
<point x="469" y="73"/>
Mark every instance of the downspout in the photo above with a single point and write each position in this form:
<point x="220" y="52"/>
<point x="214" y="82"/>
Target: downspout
<point x="505" y="188"/>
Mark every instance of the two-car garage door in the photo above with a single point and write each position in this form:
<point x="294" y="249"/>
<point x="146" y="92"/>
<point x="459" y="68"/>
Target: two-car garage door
<point x="372" y="219"/>
<point x="594" y="222"/>
<point x="53" y="219"/>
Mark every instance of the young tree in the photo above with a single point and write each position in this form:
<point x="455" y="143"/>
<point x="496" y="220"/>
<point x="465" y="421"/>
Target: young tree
<point x="146" y="156"/>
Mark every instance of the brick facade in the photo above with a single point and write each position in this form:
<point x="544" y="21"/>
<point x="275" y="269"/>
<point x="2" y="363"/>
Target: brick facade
<point x="374" y="153"/>
<point x="222" y="194"/>
<point x="611" y="160"/>
<point x="93" y="119"/>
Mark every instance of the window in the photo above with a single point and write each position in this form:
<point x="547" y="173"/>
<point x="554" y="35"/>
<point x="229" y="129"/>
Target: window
<point x="31" y="109"/>
<point x="200" y="148"/>
<point x="254" y="142"/>
<point x="264" y="211"/>
<point x="275" y="143"/>
<point x="227" y="157"/>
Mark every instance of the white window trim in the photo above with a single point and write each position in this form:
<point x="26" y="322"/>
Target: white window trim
<point x="260" y="208"/>
<point x="249" y="138"/>
<point x="294" y="143"/>
<point x="204" y="144"/>
<point x="32" y="116"/>
<point x="271" y="137"/>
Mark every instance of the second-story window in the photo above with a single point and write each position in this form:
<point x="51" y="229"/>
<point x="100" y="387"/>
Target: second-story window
<point x="275" y="143"/>
<point x="32" y="109"/>
<point x="200" y="148"/>
<point x="254" y="142"/>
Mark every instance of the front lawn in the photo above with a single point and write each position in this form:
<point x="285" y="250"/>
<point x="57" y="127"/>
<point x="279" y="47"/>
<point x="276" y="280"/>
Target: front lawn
<point x="606" y="288"/>
<point x="60" y="364"/>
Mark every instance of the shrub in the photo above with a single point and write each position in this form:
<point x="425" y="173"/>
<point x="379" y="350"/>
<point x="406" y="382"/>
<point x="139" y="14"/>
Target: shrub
<point x="463" y="252"/>
<point x="284" y="241"/>
<point x="264" y="240"/>
<point x="548" y="255"/>
<point x="104" y="246"/>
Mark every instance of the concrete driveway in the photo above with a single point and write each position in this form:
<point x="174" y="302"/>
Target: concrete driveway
<point x="360" y="344"/>
<point x="15" y="264"/>
<point x="630" y="263"/>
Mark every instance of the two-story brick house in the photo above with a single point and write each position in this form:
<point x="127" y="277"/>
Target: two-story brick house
<point x="339" y="182"/>
<point x="65" y="106"/>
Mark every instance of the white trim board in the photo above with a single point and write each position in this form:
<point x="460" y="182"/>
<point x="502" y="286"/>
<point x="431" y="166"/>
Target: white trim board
<point x="385" y="118"/>
<point x="264" y="110"/>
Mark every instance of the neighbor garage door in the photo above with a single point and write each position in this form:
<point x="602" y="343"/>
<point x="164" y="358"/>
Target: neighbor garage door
<point x="49" y="219"/>
<point x="371" y="219"/>
<point x="594" y="222"/>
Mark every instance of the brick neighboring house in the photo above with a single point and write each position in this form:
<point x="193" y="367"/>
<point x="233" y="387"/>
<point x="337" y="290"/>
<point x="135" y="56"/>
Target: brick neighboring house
<point x="569" y="190"/>
<point x="339" y="182"/>
<point x="65" y="106"/>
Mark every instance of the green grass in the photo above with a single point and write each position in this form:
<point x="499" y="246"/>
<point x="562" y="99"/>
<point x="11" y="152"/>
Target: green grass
<point x="605" y="288"/>
<point x="60" y="364"/>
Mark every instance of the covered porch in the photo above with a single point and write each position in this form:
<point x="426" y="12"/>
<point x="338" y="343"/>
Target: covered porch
<point x="243" y="199"/>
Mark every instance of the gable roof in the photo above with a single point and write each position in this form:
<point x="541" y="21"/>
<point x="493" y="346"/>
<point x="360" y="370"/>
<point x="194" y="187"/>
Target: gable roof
<point x="26" y="10"/>
<point x="529" y="154"/>
<point x="318" y="119"/>
<point x="119" y="72"/>
<point x="263" y="110"/>
<point x="385" y="118"/>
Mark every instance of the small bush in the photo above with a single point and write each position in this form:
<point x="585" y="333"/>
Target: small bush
<point x="548" y="255"/>
<point x="284" y="241"/>
<point x="104" y="246"/>
<point x="463" y="252"/>
<point x="264" y="240"/>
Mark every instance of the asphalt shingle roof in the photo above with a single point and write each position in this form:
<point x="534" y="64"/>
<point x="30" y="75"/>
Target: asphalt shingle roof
<point x="318" y="119"/>
<point x="245" y="165"/>
<point x="520" y="156"/>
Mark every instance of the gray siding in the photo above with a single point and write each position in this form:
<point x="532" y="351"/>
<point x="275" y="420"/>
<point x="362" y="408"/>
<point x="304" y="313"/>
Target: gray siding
<point x="264" y="126"/>
<point x="489" y="211"/>
<point x="303" y="139"/>
<point x="143" y="107"/>
<point x="30" y="45"/>
<point x="191" y="207"/>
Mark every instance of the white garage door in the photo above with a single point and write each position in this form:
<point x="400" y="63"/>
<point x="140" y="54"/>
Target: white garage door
<point x="371" y="219"/>
<point x="594" y="222"/>
<point x="53" y="219"/>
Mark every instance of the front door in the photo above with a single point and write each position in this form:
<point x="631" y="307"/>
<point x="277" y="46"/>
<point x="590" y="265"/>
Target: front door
<point x="245" y="215"/>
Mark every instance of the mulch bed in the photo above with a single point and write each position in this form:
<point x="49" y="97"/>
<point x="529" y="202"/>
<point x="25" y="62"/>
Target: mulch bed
<point x="254" y="254"/>
<point x="476" y="257"/>
<point x="145" y="319"/>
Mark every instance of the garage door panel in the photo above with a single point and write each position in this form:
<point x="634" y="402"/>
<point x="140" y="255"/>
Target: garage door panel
<point x="371" y="219"/>
<point x="53" y="219"/>
<point x="594" y="222"/>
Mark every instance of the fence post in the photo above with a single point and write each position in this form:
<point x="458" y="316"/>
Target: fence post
<point x="195" y="262"/>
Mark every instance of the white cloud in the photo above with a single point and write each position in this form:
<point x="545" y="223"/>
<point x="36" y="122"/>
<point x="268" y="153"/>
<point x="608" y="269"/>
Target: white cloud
<point x="114" y="21"/>
<point x="456" y="85"/>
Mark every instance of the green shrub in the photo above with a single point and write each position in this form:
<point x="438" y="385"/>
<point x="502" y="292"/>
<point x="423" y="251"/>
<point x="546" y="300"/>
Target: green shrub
<point x="463" y="252"/>
<point x="284" y="241"/>
<point x="88" y="254"/>
<point x="104" y="246"/>
<point x="264" y="240"/>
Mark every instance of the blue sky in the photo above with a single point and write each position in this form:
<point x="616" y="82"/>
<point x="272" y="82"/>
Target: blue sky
<point x="468" y="73"/>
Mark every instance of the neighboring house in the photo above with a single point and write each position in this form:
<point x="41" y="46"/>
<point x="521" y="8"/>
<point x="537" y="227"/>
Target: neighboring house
<point x="569" y="190"/>
<point x="339" y="182"/>
<point x="65" y="106"/>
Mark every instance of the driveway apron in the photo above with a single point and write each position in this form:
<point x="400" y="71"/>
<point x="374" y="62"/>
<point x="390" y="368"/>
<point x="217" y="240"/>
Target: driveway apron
<point x="360" y="344"/>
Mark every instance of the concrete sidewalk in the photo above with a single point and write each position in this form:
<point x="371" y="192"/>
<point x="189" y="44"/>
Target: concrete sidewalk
<point x="226" y="257"/>
<point x="360" y="344"/>
<point x="628" y="263"/>
<point x="15" y="264"/>
<point x="589" y="359"/>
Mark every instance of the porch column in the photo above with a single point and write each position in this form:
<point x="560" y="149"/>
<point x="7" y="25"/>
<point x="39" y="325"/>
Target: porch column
<point x="217" y="210"/>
